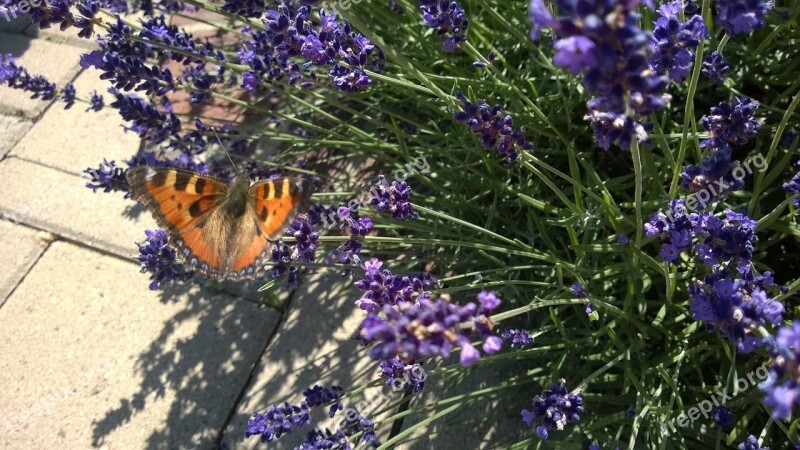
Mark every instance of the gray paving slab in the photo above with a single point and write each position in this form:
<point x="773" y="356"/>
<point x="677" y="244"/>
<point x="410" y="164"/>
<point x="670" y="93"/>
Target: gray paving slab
<point x="314" y="345"/>
<point x="59" y="63"/>
<point x="59" y="202"/>
<point x="92" y="359"/>
<point x="56" y="36"/>
<point x="12" y="129"/>
<point x="14" y="25"/>
<point x="19" y="248"/>
<point x="74" y="139"/>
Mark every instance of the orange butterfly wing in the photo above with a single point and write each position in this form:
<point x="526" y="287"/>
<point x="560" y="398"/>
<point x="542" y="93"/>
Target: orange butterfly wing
<point x="275" y="203"/>
<point x="181" y="202"/>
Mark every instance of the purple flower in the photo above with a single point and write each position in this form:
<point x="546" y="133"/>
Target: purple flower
<point x="488" y="300"/>
<point x="673" y="41"/>
<point x="715" y="67"/>
<point x="347" y="253"/>
<point x="576" y="53"/>
<point x="742" y="16"/>
<point x="731" y="238"/>
<point x="448" y="19"/>
<point x="494" y="128"/>
<point x="108" y="177"/>
<point x="360" y="424"/>
<point x="731" y="123"/>
<point x="577" y="289"/>
<point x="96" y="102"/>
<point x="719" y="240"/>
<point x="303" y="249"/>
<point x="318" y="396"/>
<point x="158" y="258"/>
<point x="319" y="440"/>
<point x="270" y="54"/>
<point x="722" y="415"/>
<point x="17" y="77"/>
<point x="792" y="187"/>
<point x="305" y="245"/>
<point x="751" y="443"/>
<point x="518" y="338"/>
<point x="249" y="81"/>
<point x="410" y="331"/>
<point x="622" y="239"/>
<point x="603" y="41"/>
<point x="733" y="307"/>
<point x="381" y="287"/>
<point x="68" y="95"/>
<point x="278" y="421"/>
<point x="715" y="175"/>
<point x="400" y="375"/>
<point x="393" y="198"/>
<point x="782" y="390"/>
<point x="554" y="409"/>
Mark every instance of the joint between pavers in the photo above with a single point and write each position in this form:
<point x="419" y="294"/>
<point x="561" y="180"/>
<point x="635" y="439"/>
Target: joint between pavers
<point x="27" y="272"/>
<point x="253" y="369"/>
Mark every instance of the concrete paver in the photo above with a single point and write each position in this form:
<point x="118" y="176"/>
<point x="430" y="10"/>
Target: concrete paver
<point x="15" y="25"/>
<point x="56" y="62"/>
<point x="74" y="139"/>
<point x="91" y="358"/>
<point x="12" y="129"/>
<point x="59" y="202"/>
<point x="19" y="249"/>
<point x="314" y="345"/>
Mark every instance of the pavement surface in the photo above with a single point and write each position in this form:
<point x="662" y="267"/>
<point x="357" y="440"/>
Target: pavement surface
<point x="89" y="357"/>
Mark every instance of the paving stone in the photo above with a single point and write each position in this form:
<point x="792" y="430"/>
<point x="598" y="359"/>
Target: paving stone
<point x="9" y="24"/>
<point x="12" y="129"/>
<point x="314" y="345"/>
<point x="68" y="36"/>
<point x="59" y="202"/>
<point x="74" y="139"/>
<point x="92" y="359"/>
<point x="19" y="249"/>
<point x="56" y="62"/>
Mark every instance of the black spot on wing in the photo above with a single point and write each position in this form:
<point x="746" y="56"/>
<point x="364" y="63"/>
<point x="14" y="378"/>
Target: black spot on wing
<point x="199" y="185"/>
<point x="182" y="180"/>
<point x="159" y="178"/>
<point x="195" y="210"/>
<point x="279" y="189"/>
<point x="263" y="214"/>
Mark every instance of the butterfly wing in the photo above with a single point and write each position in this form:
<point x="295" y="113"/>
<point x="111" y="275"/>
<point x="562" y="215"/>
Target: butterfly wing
<point x="186" y="204"/>
<point x="272" y="205"/>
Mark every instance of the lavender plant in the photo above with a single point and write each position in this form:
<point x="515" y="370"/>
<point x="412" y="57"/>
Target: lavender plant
<point x="609" y="245"/>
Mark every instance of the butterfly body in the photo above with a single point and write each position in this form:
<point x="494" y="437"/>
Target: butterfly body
<point x="219" y="229"/>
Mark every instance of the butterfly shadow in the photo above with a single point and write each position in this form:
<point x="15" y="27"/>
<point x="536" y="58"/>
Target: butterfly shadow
<point x="314" y="345"/>
<point x="186" y="381"/>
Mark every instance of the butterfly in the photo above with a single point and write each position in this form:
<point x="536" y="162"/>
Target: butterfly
<point x="221" y="230"/>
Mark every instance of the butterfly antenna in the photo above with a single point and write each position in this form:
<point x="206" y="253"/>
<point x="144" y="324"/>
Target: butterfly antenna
<point x="214" y="129"/>
<point x="267" y="163"/>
